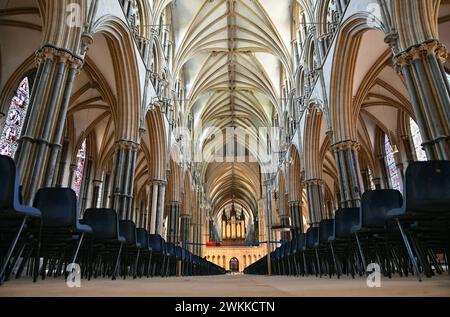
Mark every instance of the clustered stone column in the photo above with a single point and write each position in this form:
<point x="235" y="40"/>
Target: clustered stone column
<point x="286" y="223"/>
<point x="268" y="185"/>
<point x="350" y="179"/>
<point x="295" y="208"/>
<point x="185" y="227"/>
<point x="41" y="143"/>
<point x="425" y="77"/>
<point x="124" y="171"/>
<point x="408" y="149"/>
<point x="157" y="196"/>
<point x="316" y="202"/>
<point x="96" y="192"/>
<point x="173" y="234"/>
<point x="200" y="221"/>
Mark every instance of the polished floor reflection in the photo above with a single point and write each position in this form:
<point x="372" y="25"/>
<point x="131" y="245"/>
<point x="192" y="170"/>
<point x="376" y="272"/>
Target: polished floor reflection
<point x="232" y="286"/>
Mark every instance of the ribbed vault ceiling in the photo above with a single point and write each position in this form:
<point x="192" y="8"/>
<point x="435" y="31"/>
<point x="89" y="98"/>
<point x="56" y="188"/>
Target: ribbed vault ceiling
<point x="232" y="54"/>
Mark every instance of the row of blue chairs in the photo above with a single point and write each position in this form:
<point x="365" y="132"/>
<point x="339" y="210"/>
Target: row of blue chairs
<point x="49" y="238"/>
<point x="399" y="234"/>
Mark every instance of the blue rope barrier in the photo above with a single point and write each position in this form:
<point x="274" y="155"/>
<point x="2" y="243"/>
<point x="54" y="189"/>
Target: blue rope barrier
<point x="247" y="244"/>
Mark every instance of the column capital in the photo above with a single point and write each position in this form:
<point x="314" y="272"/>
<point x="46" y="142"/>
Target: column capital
<point x="156" y="182"/>
<point x="59" y="54"/>
<point x="345" y="145"/>
<point x="161" y="182"/>
<point x="392" y="40"/>
<point x="419" y="51"/>
<point x="127" y="144"/>
<point x="97" y="182"/>
<point x="315" y="181"/>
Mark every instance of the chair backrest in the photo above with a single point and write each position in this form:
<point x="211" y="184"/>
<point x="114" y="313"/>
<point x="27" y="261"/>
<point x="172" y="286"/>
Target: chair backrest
<point x="104" y="223"/>
<point x="277" y="253"/>
<point x="156" y="243"/>
<point x="345" y="219"/>
<point x="312" y="237"/>
<point x="427" y="187"/>
<point x="170" y="249"/>
<point x="8" y="183"/>
<point x="127" y="230"/>
<point x="326" y="230"/>
<point x="376" y="204"/>
<point x="285" y="249"/>
<point x="58" y="207"/>
<point x="301" y="241"/>
<point x="294" y="243"/>
<point x="142" y="237"/>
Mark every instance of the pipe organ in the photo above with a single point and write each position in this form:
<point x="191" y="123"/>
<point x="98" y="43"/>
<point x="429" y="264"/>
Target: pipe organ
<point x="233" y="226"/>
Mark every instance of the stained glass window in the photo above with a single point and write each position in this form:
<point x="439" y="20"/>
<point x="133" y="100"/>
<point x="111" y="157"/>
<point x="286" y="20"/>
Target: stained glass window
<point x="15" y="119"/>
<point x="78" y="173"/>
<point x="417" y="140"/>
<point x="391" y="164"/>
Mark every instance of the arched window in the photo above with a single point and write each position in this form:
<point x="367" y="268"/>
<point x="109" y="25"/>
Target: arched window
<point x="391" y="164"/>
<point x="417" y="140"/>
<point x="15" y="119"/>
<point x="79" y="171"/>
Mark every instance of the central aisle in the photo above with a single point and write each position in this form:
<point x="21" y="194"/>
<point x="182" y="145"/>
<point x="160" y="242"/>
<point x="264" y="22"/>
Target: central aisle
<point x="231" y="286"/>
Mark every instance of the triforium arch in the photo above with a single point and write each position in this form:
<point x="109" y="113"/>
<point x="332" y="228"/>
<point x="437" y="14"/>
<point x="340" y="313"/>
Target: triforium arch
<point x="295" y="192"/>
<point x="313" y="175"/>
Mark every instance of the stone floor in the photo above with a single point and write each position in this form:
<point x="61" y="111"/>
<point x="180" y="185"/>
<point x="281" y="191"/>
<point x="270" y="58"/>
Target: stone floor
<point x="231" y="286"/>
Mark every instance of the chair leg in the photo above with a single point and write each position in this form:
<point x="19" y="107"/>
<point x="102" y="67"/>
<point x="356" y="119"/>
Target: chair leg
<point x="336" y="264"/>
<point x="409" y="250"/>
<point x="117" y="265"/>
<point x="447" y="253"/>
<point x="15" y="261"/>
<point x="149" y="265"/>
<point x="422" y="257"/>
<point x="136" y="264"/>
<point x="25" y="260"/>
<point x="37" y="255"/>
<point x="11" y="250"/>
<point x="361" y="253"/>
<point x="77" y="250"/>
<point x="305" y="264"/>
<point x="163" y="266"/>
<point x="319" y="269"/>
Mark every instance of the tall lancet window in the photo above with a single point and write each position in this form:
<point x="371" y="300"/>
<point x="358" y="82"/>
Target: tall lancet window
<point x="15" y="119"/>
<point x="79" y="171"/>
<point x="417" y="140"/>
<point x="391" y="164"/>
